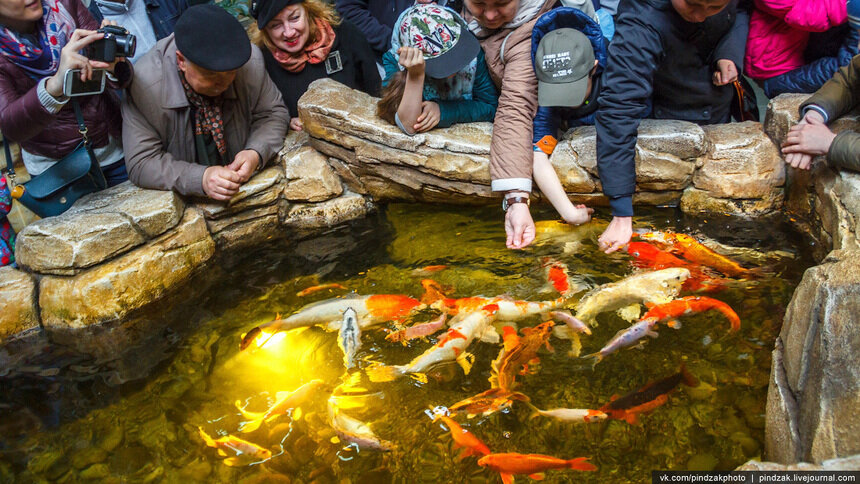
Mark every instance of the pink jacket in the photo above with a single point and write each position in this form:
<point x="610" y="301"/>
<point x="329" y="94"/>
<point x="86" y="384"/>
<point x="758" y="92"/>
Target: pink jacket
<point x="779" y="32"/>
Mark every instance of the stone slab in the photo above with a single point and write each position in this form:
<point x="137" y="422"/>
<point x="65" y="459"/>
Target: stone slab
<point x="697" y="201"/>
<point x="18" y="314"/>
<point x="261" y="190"/>
<point x="309" y="176"/>
<point x="308" y="217"/>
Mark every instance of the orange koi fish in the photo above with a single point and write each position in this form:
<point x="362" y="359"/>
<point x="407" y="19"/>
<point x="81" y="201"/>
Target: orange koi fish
<point x="689" y="305"/>
<point x="487" y="403"/>
<point x="321" y="287"/>
<point x="557" y="275"/>
<point x="418" y="330"/>
<point x="690" y="249"/>
<point x="370" y="311"/>
<point x="428" y="270"/>
<point x="470" y="444"/>
<point x="532" y="465"/>
<point x="648" y="256"/>
<point x="647" y="398"/>
<point x="244" y="452"/>
<point x="433" y="291"/>
<point x="516" y="360"/>
<point x="283" y="402"/>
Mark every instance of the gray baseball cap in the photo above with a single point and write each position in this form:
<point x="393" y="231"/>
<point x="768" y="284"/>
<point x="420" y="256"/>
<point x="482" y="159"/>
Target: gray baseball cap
<point x="563" y="60"/>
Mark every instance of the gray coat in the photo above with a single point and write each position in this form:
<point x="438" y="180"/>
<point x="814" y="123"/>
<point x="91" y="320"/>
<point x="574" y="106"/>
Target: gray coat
<point x="158" y="126"/>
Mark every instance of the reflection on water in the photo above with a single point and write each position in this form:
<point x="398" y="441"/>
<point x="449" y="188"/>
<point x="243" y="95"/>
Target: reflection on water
<point x="138" y="418"/>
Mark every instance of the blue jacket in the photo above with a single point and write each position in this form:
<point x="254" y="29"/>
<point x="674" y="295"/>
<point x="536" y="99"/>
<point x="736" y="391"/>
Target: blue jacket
<point x="482" y="106"/>
<point x="374" y="18"/>
<point x="548" y="119"/>
<point x="659" y="57"/>
<point x="163" y="14"/>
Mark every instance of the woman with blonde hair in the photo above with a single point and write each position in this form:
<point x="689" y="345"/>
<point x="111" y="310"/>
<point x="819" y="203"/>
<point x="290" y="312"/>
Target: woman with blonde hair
<point x="305" y="40"/>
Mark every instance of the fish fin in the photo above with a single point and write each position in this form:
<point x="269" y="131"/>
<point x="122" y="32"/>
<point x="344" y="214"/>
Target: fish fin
<point x="297" y="413"/>
<point x="674" y="324"/>
<point x="232" y="461"/>
<point x="466" y="360"/>
<point x="539" y="476"/>
<point x="631" y="418"/>
<point x="222" y="453"/>
<point x="630" y="313"/>
<point x="613" y="398"/>
<point x="507" y="478"/>
<point x="597" y="357"/>
<point x="379" y="373"/>
<point x="575" y="346"/>
<point x="561" y="332"/>
<point x="209" y="441"/>
<point x="649" y="305"/>
<point x="490" y="336"/>
<point x="581" y="464"/>
<point x="419" y="377"/>
<point x="652" y="334"/>
<point x="687" y="377"/>
<point x="251" y="425"/>
<point x="334" y="440"/>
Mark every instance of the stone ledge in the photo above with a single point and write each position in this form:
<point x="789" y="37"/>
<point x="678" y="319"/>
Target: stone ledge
<point x="18" y="314"/>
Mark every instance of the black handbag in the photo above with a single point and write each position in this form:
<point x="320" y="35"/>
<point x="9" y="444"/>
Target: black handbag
<point x="54" y="190"/>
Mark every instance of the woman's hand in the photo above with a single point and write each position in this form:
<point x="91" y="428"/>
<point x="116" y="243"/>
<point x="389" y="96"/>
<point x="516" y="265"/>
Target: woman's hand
<point x="71" y="59"/>
<point x="296" y="124"/>
<point x="412" y="59"/>
<point x="519" y="226"/>
<point x="108" y="66"/>
<point x="429" y="117"/>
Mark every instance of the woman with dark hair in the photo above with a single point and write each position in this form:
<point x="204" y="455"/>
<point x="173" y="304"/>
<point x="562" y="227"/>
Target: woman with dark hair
<point x="305" y="40"/>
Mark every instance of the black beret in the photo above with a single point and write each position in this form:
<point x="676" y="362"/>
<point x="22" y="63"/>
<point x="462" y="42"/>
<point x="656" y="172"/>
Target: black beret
<point x="265" y="10"/>
<point x="211" y="38"/>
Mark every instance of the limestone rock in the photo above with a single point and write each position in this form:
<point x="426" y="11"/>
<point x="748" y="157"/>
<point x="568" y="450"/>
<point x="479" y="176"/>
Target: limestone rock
<point x="249" y="229"/>
<point x="152" y="211"/>
<point x="838" y="207"/>
<point x="656" y="199"/>
<point x="820" y="342"/>
<point x="844" y="464"/>
<point x="17" y="304"/>
<point x="782" y="114"/>
<point x="681" y="139"/>
<point x="261" y="190"/>
<point x="744" y="163"/>
<point x="662" y="171"/>
<point x="294" y="141"/>
<point x="700" y="201"/>
<point x="573" y="177"/>
<point x="309" y="177"/>
<point x="114" y="289"/>
<point x="307" y="217"/>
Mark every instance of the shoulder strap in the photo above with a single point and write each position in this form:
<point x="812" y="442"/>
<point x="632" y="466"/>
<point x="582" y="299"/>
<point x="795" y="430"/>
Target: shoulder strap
<point x="10" y="164"/>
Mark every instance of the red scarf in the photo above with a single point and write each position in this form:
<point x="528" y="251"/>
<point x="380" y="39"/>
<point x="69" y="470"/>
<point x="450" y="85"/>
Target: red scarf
<point x="313" y="53"/>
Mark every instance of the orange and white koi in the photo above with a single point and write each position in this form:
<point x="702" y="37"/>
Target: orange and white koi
<point x="470" y="444"/>
<point x="321" y="287"/>
<point x="487" y="403"/>
<point x="558" y="276"/>
<point x="672" y="310"/>
<point x="451" y="347"/>
<point x="419" y="330"/>
<point x="283" y="401"/>
<point x="516" y="360"/>
<point x="533" y="465"/>
<point x="692" y="250"/>
<point x="575" y="415"/>
<point x="433" y="291"/>
<point x="244" y="452"/>
<point x="700" y="280"/>
<point x="508" y="309"/>
<point x="647" y="398"/>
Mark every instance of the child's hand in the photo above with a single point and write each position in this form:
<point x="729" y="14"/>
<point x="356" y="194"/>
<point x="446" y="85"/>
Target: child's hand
<point x="429" y="117"/>
<point x="580" y="215"/>
<point x="727" y="72"/>
<point x="412" y="59"/>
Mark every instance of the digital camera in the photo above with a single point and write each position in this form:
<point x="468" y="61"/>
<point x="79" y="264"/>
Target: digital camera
<point x="117" y="42"/>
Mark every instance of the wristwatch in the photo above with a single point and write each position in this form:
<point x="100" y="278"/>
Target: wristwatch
<point x="508" y="201"/>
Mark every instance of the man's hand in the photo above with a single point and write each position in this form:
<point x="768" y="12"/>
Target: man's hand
<point x="220" y="182"/>
<point x="808" y="138"/>
<point x="727" y="72"/>
<point x="617" y="235"/>
<point x="245" y="164"/>
<point x="519" y="226"/>
<point x="429" y="117"/>
<point x="296" y="124"/>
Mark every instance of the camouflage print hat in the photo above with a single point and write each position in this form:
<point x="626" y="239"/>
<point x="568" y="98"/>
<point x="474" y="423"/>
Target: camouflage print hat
<point x="442" y="35"/>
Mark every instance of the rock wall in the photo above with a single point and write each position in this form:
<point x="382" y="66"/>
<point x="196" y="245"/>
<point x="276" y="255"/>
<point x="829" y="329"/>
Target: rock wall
<point x="731" y="169"/>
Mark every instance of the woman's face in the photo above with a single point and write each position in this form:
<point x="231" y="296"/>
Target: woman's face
<point x="20" y="15"/>
<point x="492" y="14"/>
<point x="696" y="11"/>
<point x="289" y="30"/>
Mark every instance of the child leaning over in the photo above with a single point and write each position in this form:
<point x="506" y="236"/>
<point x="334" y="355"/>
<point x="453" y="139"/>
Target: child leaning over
<point x="435" y="73"/>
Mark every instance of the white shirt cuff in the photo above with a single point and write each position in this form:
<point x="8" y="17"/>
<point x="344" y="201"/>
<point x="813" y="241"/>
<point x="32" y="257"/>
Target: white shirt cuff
<point x="818" y="109"/>
<point x="400" y="125"/>
<point x="51" y="104"/>
<point x="507" y="184"/>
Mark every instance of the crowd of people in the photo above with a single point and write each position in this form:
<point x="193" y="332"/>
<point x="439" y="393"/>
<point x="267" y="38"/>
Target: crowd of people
<point x="197" y="104"/>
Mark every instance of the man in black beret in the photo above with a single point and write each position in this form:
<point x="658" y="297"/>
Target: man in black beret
<point x="201" y="115"/>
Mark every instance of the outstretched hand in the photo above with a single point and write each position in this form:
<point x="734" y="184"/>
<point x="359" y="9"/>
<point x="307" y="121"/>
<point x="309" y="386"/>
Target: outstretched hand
<point x="519" y="226"/>
<point x="806" y="139"/>
<point x="616" y="235"/>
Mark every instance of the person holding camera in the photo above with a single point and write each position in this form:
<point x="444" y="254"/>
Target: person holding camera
<point x="40" y="66"/>
<point x="149" y="20"/>
<point x="201" y="117"/>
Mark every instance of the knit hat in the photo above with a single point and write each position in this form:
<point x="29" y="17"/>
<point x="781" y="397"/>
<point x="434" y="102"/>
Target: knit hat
<point x="442" y="36"/>
<point x="563" y="60"/>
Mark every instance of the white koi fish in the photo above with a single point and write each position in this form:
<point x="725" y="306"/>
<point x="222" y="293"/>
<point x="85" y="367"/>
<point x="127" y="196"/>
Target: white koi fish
<point x="624" y="338"/>
<point x="354" y="431"/>
<point x="349" y="337"/>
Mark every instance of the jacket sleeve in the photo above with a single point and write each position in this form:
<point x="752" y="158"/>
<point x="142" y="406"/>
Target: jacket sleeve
<point x="482" y="106"/>
<point x="269" y="115"/>
<point x="838" y="95"/>
<point x="733" y="45"/>
<point x="808" y="15"/>
<point x="845" y="151"/>
<point x="149" y="164"/>
<point x="357" y="12"/>
<point x="511" y="155"/>
<point x="545" y="124"/>
<point x="634" y="55"/>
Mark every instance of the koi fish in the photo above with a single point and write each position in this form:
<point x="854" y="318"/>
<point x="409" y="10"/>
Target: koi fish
<point x="349" y="337"/>
<point x="451" y="347"/>
<point x="370" y="311"/>
<point x="557" y="274"/>
<point x="575" y="415"/>
<point x="690" y="305"/>
<point x="433" y="291"/>
<point x="571" y="322"/>
<point x="508" y="309"/>
<point x="419" y="330"/>
<point x="487" y="403"/>
<point x="244" y="451"/>
<point x="532" y="465"/>
<point x="516" y="360"/>
<point x="428" y="270"/>
<point x="649" y="287"/>
<point x="647" y="398"/>
<point x="690" y="249"/>
<point x="354" y="431"/>
<point x="321" y="287"/>
<point x="470" y="444"/>
<point x="648" y="256"/>
<point x="624" y="338"/>
<point x="283" y="402"/>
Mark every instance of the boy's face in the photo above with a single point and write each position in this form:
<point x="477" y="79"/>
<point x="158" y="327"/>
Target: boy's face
<point x="696" y="11"/>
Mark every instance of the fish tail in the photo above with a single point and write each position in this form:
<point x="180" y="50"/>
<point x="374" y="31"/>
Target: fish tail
<point x="687" y="377"/>
<point x="597" y="357"/>
<point x="379" y="373"/>
<point x="732" y="316"/>
<point x="581" y="464"/>
<point x="247" y="414"/>
<point x="232" y="462"/>
<point x="252" y="424"/>
<point x="209" y="441"/>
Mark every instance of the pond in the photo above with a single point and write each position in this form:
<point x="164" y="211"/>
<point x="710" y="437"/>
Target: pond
<point x="137" y="418"/>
